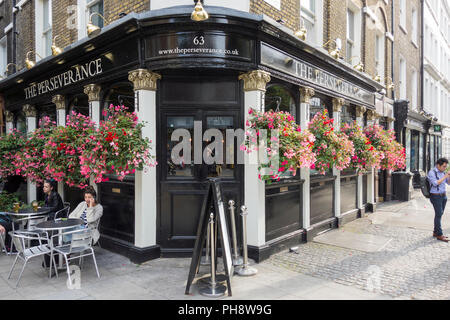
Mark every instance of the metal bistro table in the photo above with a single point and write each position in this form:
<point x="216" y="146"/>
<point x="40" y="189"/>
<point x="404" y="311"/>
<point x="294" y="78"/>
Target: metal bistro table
<point x="60" y="226"/>
<point x="26" y="213"/>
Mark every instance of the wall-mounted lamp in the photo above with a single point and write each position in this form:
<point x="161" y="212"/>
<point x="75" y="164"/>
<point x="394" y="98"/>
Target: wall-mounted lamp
<point x="8" y="65"/>
<point x="391" y="85"/>
<point x="30" y="63"/>
<point x="358" y="67"/>
<point x="199" y="13"/>
<point x="337" y="50"/>
<point x="55" y="49"/>
<point x="92" y="29"/>
<point x="377" y="78"/>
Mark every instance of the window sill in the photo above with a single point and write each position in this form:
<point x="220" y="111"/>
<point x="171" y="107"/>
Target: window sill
<point x="403" y="29"/>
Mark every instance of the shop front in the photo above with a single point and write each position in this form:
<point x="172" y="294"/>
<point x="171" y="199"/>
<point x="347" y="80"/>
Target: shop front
<point x="179" y="74"/>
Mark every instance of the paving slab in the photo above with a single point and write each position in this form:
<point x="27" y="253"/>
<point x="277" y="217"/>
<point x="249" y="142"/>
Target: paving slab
<point x="351" y="240"/>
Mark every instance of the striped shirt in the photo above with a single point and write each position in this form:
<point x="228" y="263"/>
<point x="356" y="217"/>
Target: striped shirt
<point x="84" y="218"/>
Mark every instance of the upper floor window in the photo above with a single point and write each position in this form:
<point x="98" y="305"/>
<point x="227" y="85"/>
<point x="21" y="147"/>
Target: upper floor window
<point x="311" y="12"/>
<point x="43" y="27"/>
<point x="379" y="55"/>
<point x="402" y="79"/>
<point x="414" y="28"/>
<point x="85" y="9"/>
<point x="3" y="57"/>
<point x="403" y="14"/>
<point x="350" y="35"/>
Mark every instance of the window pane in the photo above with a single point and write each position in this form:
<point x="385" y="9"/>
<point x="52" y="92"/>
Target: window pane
<point x="278" y="98"/>
<point x="350" y="25"/>
<point x="181" y="168"/>
<point x="98" y="7"/>
<point x="222" y="123"/>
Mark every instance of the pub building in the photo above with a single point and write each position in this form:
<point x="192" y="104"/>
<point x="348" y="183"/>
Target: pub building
<point x="173" y="71"/>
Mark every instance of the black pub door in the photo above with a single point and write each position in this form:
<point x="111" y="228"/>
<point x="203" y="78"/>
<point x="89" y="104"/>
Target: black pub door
<point x="183" y="183"/>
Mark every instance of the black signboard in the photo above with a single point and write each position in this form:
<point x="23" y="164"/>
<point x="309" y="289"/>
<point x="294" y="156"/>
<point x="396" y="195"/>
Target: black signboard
<point x="213" y="203"/>
<point x="207" y="44"/>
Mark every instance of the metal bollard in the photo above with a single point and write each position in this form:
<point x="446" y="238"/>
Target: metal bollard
<point x="245" y="270"/>
<point x="237" y="259"/>
<point x="214" y="289"/>
<point x="205" y="259"/>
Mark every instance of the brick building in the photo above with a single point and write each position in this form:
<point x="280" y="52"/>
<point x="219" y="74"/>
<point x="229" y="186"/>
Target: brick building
<point x="173" y="71"/>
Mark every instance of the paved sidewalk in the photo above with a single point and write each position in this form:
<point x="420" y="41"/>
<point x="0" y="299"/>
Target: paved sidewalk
<point x="413" y="265"/>
<point x="165" y="279"/>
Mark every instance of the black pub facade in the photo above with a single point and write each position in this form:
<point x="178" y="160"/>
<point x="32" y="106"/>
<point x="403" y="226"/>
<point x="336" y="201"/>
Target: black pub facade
<point x="174" y="71"/>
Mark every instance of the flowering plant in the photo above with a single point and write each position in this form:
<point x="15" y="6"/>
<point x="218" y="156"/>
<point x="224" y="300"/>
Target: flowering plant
<point x="366" y="155"/>
<point x="291" y="147"/>
<point x="331" y="148"/>
<point x="394" y="157"/>
<point x="117" y="147"/>
<point x="64" y="147"/>
<point x="11" y="144"/>
<point x="29" y="163"/>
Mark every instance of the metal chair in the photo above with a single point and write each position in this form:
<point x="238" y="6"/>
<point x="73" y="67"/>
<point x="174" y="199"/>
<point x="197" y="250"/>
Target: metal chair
<point x="28" y="224"/>
<point x="63" y="213"/>
<point x="80" y="243"/>
<point x="26" y="252"/>
<point x="67" y="204"/>
<point x="2" y="243"/>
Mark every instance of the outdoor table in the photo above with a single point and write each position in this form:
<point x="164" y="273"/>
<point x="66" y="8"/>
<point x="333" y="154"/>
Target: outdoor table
<point x="28" y="212"/>
<point x="60" y="226"/>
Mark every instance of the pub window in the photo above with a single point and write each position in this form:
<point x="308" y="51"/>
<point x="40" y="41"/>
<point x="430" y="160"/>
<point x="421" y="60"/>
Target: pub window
<point x="21" y="122"/>
<point x="348" y="114"/>
<point x="279" y="98"/>
<point x="46" y="111"/>
<point x="415" y="150"/>
<point x="316" y="104"/>
<point x="119" y="94"/>
<point x="79" y="104"/>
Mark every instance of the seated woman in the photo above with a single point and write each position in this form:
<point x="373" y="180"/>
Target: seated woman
<point x="52" y="198"/>
<point x="90" y="212"/>
<point x="5" y="228"/>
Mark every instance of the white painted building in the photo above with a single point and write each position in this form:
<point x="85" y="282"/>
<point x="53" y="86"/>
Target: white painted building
<point x="436" y="79"/>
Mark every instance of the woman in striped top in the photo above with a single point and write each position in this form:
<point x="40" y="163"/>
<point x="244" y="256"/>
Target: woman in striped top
<point x="90" y="212"/>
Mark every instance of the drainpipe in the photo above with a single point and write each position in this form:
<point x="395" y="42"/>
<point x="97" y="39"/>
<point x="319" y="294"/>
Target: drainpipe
<point x="392" y="48"/>
<point x="422" y="99"/>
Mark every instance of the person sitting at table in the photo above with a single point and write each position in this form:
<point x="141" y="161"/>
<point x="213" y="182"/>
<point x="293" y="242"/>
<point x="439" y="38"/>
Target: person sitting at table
<point x="5" y="227"/>
<point x="90" y="211"/>
<point x="52" y="198"/>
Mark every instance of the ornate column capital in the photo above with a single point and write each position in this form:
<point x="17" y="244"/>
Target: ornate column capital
<point x="337" y="104"/>
<point x="390" y="120"/>
<point x="371" y="115"/>
<point x="9" y="116"/>
<point x="255" y="80"/>
<point x="144" y="79"/>
<point x="59" y="101"/>
<point x="92" y="91"/>
<point x="360" y="110"/>
<point x="29" y="110"/>
<point x="306" y="93"/>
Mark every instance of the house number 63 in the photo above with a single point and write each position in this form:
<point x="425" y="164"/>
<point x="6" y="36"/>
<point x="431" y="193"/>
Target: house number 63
<point x="199" y="40"/>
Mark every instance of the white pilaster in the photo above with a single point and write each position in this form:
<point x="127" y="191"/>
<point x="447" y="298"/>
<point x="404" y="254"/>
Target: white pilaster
<point x="305" y="95"/>
<point x="60" y="104"/>
<point x="337" y="107"/>
<point x="30" y="113"/>
<point x="145" y="85"/>
<point x="371" y="176"/>
<point x="254" y="189"/>
<point x="360" y="122"/>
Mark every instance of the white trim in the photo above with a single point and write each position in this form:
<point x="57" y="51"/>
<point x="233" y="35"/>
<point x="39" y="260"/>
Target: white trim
<point x="20" y="4"/>
<point x="8" y="27"/>
<point x="371" y="14"/>
<point x="390" y="36"/>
